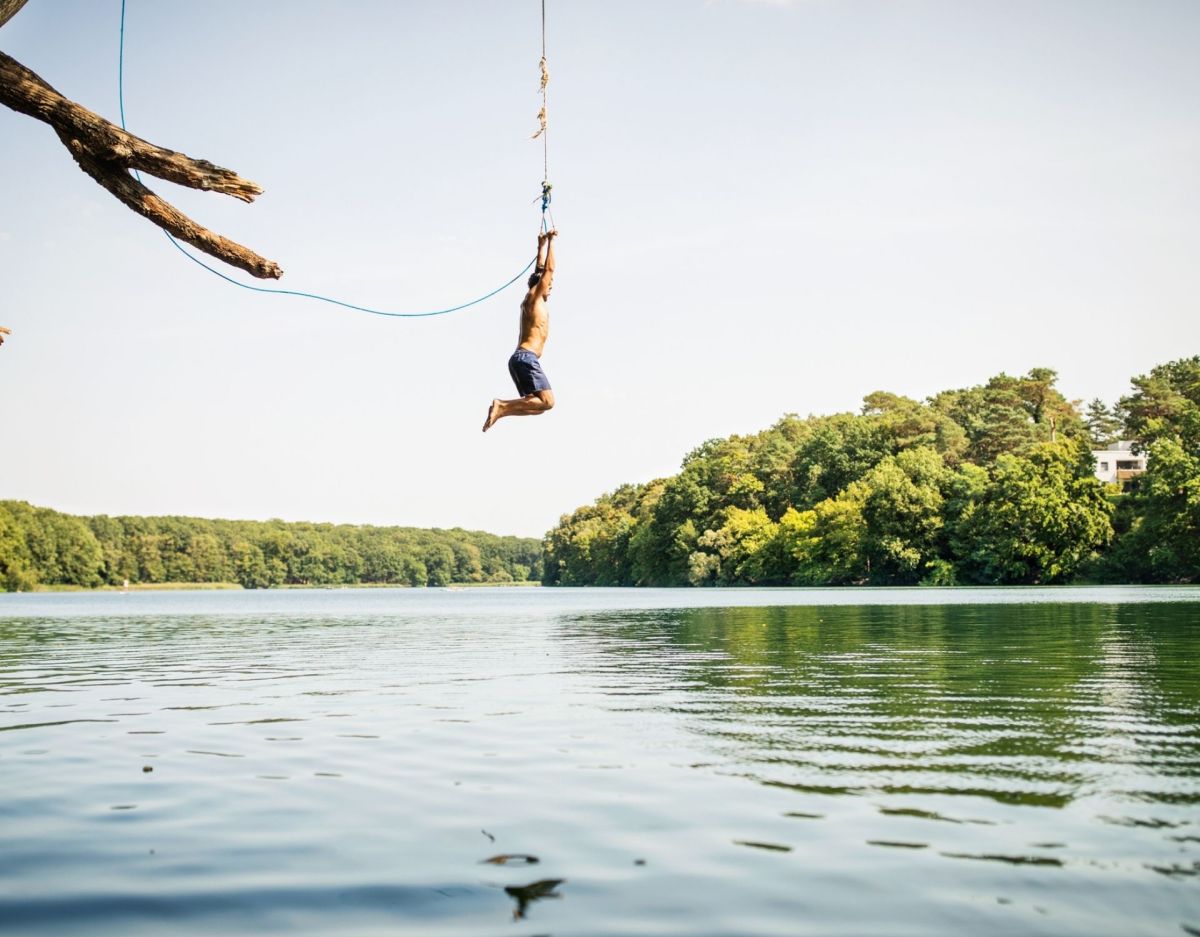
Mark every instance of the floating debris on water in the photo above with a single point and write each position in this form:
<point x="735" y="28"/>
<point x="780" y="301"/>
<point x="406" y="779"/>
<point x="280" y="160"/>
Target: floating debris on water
<point x="512" y="858"/>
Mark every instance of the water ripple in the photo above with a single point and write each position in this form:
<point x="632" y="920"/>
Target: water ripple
<point x="888" y="766"/>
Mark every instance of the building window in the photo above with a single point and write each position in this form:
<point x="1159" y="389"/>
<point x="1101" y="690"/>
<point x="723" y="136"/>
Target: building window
<point x="1128" y="465"/>
<point x="1104" y="466"/>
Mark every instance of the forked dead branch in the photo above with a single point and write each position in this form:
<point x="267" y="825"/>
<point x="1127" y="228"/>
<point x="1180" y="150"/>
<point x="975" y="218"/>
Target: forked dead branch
<point x="108" y="154"/>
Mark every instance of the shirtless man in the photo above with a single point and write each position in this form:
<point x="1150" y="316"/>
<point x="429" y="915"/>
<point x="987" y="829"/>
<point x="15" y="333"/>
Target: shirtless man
<point x="524" y="367"/>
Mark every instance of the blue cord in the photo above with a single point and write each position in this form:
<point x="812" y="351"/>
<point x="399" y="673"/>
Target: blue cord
<point x="278" y="292"/>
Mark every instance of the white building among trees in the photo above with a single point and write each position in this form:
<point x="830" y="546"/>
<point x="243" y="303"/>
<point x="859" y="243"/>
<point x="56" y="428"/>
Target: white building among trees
<point x="1117" y="464"/>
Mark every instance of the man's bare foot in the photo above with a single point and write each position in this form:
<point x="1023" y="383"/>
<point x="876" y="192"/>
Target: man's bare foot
<point x="493" y="415"/>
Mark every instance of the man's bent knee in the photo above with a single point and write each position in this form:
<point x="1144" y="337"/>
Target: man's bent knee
<point x="546" y="397"/>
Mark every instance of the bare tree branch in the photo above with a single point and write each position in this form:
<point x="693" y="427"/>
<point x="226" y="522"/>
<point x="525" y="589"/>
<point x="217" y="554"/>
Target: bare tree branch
<point x="107" y="153"/>
<point x="9" y="9"/>
<point x="140" y="199"/>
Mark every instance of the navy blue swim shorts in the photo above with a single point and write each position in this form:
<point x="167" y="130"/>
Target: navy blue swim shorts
<point x="527" y="372"/>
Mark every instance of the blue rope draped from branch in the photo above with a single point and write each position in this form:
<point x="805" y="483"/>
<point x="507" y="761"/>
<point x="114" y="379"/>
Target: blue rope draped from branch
<point x="327" y="299"/>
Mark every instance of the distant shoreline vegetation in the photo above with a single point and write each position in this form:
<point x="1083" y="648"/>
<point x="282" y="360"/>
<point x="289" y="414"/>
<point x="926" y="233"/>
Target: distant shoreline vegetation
<point x="988" y="485"/>
<point x="238" y="587"/>
<point x="45" y="549"/>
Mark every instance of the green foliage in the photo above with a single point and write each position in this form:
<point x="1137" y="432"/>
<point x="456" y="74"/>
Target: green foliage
<point x="43" y="547"/>
<point x="840" y="450"/>
<point x="16" y="562"/>
<point x="902" y="509"/>
<point x="1165" y="404"/>
<point x="1039" y="519"/>
<point x="834" y="542"/>
<point x="1103" y="423"/>
<point x="734" y="551"/>
<point x="593" y="546"/>
<point x="1010" y="414"/>
<point x="38" y="545"/>
<point x="1159" y="522"/>
<point x="1164" y="544"/>
<point x="986" y="484"/>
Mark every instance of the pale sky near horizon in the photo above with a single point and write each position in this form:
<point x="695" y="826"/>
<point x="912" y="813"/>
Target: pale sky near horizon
<point x="765" y="207"/>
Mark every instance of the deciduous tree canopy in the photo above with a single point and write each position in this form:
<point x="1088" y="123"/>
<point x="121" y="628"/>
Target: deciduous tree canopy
<point x="39" y="546"/>
<point x="992" y="484"/>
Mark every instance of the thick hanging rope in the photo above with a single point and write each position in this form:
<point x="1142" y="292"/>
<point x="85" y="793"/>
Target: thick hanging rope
<point x="541" y="117"/>
<point x="326" y="299"/>
<point x="542" y="114"/>
<point x="543" y="123"/>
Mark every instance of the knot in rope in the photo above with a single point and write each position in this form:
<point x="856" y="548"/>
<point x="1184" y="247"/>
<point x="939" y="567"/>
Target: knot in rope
<point x="542" y="120"/>
<point x="545" y="70"/>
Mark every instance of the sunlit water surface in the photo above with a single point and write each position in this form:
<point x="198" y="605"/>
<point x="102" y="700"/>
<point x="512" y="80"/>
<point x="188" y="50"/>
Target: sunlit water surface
<point x="852" y="762"/>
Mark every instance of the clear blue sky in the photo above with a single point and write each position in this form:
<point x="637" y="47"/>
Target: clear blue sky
<point x="765" y="208"/>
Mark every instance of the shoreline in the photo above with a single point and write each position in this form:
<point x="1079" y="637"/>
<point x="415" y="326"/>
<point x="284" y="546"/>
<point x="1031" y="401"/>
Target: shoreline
<point x="234" y="586"/>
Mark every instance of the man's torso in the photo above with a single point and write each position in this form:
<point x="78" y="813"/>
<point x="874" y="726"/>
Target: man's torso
<point x="535" y="325"/>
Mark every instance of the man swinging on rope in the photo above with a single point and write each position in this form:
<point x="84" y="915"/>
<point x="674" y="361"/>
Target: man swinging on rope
<point x="532" y="383"/>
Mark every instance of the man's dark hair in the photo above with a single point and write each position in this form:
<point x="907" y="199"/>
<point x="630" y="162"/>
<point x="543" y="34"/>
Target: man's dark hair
<point x="535" y="278"/>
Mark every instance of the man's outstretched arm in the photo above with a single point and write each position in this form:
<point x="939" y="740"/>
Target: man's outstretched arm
<point x="547" y="280"/>
<point x="539" y="267"/>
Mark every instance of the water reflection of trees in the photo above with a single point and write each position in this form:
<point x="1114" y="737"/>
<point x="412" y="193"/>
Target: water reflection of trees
<point x="1031" y="704"/>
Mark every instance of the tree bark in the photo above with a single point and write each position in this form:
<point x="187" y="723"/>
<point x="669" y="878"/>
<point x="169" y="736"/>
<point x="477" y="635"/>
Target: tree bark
<point x="9" y="9"/>
<point x="106" y="153"/>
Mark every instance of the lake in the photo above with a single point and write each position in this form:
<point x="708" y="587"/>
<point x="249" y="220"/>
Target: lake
<point x="634" y="762"/>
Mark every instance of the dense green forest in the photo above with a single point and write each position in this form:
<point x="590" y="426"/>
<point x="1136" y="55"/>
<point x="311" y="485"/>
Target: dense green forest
<point x="988" y="484"/>
<point x="992" y="484"/>
<point x="39" y="546"/>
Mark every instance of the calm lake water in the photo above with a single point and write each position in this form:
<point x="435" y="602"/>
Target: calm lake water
<point x="715" y="762"/>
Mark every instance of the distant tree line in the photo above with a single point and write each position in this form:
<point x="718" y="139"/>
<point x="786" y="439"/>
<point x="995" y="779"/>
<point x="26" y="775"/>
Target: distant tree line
<point x="992" y="484"/>
<point x="39" y="546"/>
